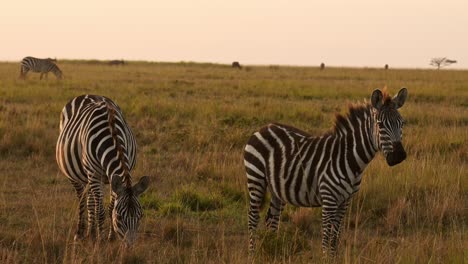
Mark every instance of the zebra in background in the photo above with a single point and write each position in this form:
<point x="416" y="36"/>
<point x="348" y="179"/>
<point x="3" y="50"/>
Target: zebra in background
<point x="44" y="66"/>
<point x="96" y="147"/>
<point x="308" y="171"/>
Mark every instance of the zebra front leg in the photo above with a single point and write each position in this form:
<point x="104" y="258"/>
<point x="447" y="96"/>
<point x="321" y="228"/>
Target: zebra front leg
<point x="91" y="214"/>
<point x="337" y="227"/>
<point x="332" y="218"/>
<point x="100" y="212"/>
<point x="274" y="213"/>
<point x="111" y="208"/>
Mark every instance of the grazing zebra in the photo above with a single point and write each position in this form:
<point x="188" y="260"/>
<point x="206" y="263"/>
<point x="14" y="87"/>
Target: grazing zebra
<point x="308" y="171"/>
<point x="96" y="147"/>
<point x="44" y="66"/>
<point x="236" y="64"/>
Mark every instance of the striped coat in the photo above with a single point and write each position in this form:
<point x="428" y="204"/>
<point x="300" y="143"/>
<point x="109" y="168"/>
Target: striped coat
<point x="96" y="147"/>
<point x="310" y="171"/>
<point x="43" y="66"/>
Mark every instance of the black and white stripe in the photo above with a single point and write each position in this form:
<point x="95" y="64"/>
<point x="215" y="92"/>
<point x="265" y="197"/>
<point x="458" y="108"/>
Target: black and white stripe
<point x="44" y="66"/>
<point x="96" y="147"/>
<point x="303" y="170"/>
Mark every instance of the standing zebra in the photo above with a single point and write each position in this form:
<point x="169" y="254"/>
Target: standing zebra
<point x="96" y="147"/>
<point x="307" y="171"/>
<point x="44" y="66"/>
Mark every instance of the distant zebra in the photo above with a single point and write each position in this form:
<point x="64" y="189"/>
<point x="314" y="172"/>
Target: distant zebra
<point x="44" y="66"/>
<point x="322" y="66"/>
<point x="313" y="171"/>
<point x="117" y="62"/>
<point x="95" y="147"/>
<point x="236" y="64"/>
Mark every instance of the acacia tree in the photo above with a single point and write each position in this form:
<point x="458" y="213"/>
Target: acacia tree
<point x="441" y="62"/>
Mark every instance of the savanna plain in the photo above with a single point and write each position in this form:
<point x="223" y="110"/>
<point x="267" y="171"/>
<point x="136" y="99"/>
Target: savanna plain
<point x="191" y="122"/>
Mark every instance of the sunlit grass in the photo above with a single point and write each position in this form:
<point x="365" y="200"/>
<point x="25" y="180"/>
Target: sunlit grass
<point x="191" y="122"/>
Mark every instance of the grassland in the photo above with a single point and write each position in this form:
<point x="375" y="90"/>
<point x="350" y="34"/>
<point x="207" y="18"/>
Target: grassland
<point x="191" y="122"/>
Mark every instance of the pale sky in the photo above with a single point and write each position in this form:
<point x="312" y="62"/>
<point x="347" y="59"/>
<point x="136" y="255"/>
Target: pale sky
<point x="401" y="33"/>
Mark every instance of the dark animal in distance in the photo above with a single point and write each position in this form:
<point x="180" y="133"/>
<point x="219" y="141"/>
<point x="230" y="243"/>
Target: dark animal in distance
<point x="386" y="66"/>
<point x="117" y="62"/>
<point x="236" y="64"/>
<point x="322" y="66"/>
<point x="44" y="66"/>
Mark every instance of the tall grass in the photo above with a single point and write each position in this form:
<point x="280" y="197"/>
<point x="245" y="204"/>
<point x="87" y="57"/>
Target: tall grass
<point x="191" y="122"/>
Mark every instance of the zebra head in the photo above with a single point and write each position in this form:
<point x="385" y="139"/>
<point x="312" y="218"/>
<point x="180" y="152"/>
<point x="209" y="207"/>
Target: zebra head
<point x="58" y="73"/>
<point x="127" y="211"/>
<point x="389" y="125"/>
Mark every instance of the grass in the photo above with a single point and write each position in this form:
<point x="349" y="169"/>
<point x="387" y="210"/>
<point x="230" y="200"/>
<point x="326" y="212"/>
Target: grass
<point x="191" y="122"/>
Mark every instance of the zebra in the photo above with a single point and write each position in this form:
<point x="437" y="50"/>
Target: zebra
<point x="44" y="66"/>
<point x="312" y="171"/>
<point x="95" y="147"/>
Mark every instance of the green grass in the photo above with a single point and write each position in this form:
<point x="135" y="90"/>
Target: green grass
<point x="191" y="122"/>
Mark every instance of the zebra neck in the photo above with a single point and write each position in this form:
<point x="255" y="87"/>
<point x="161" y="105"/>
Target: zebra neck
<point x="121" y="159"/>
<point x="356" y="131"/>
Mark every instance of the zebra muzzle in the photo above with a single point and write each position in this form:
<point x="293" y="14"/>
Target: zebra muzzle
<point x="397" y="155"/>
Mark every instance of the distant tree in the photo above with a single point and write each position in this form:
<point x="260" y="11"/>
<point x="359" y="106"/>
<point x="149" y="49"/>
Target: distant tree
<point x="322" y="66"/>
<point x="386" y="66"/>
<point x="441" y="62"/>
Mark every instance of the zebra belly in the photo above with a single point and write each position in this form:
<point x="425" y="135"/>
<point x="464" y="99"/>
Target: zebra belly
<point x="297" y="192"/>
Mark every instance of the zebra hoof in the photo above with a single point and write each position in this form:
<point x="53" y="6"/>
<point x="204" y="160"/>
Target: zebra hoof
<point x="111" y="237"/>
<point x="78" y="237"/>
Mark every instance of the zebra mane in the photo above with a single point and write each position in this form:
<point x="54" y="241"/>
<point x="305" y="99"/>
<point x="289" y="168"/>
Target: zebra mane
<point x="386" y="96"/>
<point x="118" y="146"/>
<point x="356" y="112"/>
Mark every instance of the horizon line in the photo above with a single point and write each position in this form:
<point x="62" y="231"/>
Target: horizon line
<point x="255" y="64"/>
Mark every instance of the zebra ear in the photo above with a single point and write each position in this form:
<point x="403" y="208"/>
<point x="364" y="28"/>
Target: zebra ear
<point x="400" y="98"/>
<point x="141" y="186"/>
<point x="116" y="184"/>
<point x="376" y="99"/>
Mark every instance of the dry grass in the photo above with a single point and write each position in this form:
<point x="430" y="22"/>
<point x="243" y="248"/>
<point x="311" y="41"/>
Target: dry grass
<point x="191" y="122"/>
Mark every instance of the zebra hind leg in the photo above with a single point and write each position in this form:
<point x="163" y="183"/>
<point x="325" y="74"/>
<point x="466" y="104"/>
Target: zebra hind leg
<point x="257" y="193"/>
<point x="274" y="212"/>
<point x="23" y="73"/>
